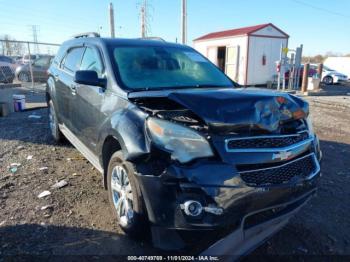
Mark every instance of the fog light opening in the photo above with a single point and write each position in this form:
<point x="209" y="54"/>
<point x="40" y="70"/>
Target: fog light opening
<point x="192" y="208"/>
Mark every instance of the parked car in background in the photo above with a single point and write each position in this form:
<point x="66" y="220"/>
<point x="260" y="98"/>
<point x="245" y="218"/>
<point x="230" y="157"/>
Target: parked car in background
<point x="27" y="58"/>
<point x="8" y="61"/>
<point x="331" y="76"/>
<point x="6" y="74"/>
<point x="312" y="72"/>
<point x="39" y="68"/>
<point x="180" y="147"/>
<point x="18" y="60"/>
<point x="340" y="64"/>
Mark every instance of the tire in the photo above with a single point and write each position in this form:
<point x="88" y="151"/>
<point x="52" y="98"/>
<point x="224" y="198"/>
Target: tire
<point x="328" y="80"/>
<point x="125" y="196"/>
<point x="24" y="77"/>
<point x="53" y="124"/>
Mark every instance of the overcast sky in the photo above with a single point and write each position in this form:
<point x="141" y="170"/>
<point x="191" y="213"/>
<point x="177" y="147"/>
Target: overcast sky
<point x="320" y="25"/>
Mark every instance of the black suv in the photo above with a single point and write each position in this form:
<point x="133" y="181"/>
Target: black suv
<point x="180" y="146"/>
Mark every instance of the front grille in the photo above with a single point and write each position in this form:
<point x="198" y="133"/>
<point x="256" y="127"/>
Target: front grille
<point x="295" y="170"/>
<point x="266" y="141"/>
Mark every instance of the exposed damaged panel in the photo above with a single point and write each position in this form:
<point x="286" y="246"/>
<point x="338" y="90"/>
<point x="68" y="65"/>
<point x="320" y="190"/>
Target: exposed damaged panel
<point x="241" y="109"/>
<point x="167" y="109"/>
<point x="229" y="110"/>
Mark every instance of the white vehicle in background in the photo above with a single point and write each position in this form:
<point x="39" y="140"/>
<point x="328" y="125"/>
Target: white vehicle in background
<point x="26" y="59"/>
<point x="339" y="63"/>
<point x="331" y="76"/>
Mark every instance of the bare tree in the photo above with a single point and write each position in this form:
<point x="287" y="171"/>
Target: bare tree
<point x="10" y="47"/>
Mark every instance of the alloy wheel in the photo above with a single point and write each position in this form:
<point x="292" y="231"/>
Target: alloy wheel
<point x="122" y="195"/>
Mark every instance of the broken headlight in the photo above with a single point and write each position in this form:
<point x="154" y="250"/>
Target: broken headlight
<point x="183" y="143"/>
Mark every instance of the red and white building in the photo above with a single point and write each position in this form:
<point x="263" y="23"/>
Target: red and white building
<point x="248" y="55"/>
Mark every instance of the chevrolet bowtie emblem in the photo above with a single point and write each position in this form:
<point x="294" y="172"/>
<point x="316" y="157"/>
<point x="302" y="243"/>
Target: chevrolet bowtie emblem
<point x="283" y="155"/>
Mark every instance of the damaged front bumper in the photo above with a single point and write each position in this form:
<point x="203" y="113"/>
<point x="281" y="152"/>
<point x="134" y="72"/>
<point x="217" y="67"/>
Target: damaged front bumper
<point x="246" y="238"/>
<point x="216" y="186"/>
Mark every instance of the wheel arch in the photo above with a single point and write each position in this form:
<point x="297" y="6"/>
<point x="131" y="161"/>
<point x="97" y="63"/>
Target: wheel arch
<point x="110" y="145"/>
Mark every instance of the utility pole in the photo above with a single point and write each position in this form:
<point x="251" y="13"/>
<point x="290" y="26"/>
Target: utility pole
<point x="35" y="38"/>
<point x="184" y="21"/>
<point x="143" y="19"/>
<point x="111" y="20"/>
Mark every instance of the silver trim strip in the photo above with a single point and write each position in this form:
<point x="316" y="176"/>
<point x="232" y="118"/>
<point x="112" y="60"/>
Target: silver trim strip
<point x="295" y="160"/>
<point x="269" y="136"/>
<point x="277" y="149"/>
<point x="86" y="152"/>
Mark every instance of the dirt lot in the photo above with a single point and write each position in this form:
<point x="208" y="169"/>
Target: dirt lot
<point x="76" y="219"/>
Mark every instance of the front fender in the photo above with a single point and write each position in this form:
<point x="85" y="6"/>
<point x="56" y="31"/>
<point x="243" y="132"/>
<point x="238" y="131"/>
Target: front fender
<point x="127" y="125"/>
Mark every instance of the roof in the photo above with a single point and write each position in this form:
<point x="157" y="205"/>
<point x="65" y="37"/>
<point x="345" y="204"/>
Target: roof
<point x="238" y="31"/>
<point x="122" y="42"/>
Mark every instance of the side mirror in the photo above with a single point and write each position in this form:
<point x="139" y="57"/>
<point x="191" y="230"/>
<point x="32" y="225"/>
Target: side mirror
<point x="88" y="77"/>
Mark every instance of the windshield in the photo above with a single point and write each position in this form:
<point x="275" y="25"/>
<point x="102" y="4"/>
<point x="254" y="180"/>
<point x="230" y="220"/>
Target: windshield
<point x="154" y="67"/>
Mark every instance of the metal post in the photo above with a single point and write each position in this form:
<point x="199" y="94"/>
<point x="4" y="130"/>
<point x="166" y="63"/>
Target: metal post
<point x="30" y="67"/>
<point x="305" y="78"/>
<point x="299" y="53"/>
<point x="184" y="22"/>
<point x="291" y="72"/>
<point x="111" y="20"/>
<point x="320" y="70"/>
<point x="279" y="73"/>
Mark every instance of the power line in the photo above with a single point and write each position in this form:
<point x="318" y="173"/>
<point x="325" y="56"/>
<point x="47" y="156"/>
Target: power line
<point x="321" y="9"/>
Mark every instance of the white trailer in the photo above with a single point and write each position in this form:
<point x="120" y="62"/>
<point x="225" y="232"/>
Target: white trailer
<point x="247" y="55"/>
<point x="339" y="64"/>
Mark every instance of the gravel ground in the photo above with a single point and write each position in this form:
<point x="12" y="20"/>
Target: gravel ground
<point x="76" y="219"/>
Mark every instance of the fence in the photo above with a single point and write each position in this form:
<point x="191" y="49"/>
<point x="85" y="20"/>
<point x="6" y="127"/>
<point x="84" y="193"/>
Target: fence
<point x="25" y="62"/>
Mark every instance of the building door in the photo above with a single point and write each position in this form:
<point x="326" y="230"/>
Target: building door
<point x="212" y="54"/>
<point x="232" y="62"/>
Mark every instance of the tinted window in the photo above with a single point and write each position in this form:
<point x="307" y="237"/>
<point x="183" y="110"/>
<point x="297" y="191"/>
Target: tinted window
<point x="72" y="61"/>
<point x="91" y="61"/>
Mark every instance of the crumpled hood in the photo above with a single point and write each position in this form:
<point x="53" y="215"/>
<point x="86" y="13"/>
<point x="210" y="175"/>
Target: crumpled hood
<point x="244" y="107"/>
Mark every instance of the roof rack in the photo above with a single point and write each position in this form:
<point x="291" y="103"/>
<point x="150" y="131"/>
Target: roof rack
<point x="155" y="38"/>
<point x="88" y="34"/>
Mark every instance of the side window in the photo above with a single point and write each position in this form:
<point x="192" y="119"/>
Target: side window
<point x="72" y="60"/>
<point x="92" y="61"/>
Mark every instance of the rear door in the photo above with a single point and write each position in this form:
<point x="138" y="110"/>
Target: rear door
<point x="65" y="86"/>
<point x="89" y="99"/>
